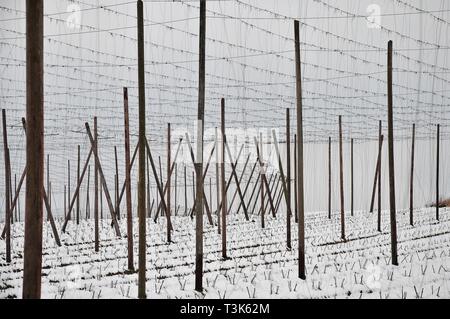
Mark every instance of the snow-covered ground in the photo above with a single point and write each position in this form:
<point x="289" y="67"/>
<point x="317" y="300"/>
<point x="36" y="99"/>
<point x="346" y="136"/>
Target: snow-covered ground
<point x="260" y="265"/>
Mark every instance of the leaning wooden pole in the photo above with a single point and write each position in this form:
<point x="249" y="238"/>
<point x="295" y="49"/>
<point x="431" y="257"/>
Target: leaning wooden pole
<point x="116" y="197"/>
<point x="411" y="179"/>
<point x="437" y="171"/>
<point x="141" y="165"/>
<point x="7" y="190"/>
<point x="288" y="179"/>
<point x="300" y="193"/>
<point x="128" y="182"/>
<point x="391" y="159"/>
<point x="199" y="158"/>
<point x="78" y="182"/>
<point x="32" y="266"/>
<point x="341" y="180"/>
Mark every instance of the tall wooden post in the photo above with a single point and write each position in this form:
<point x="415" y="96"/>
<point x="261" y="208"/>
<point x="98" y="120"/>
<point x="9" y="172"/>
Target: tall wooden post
<point x="48" y="180"/>
<point x="341" y="180"/>
<point x="35" y="150"/>
<point x="329" y="177"/>
<point x="128" y="182"/>
<point x="96" y="193"/>
<point x="176" y="189"/>
<point x="351" y="177"/>
<point x="262" y="173"/>
<point x="437" y="171"/>
<point x="301" y="212"/>
<point x="141" y="168"/>
<point x="78" y="182"/>
<point x="380" y="157"/>
<point x="218" y="182"/>
<point x="391" y="159"/>
<point x="288" y="179"/>
<point x="7" y="190"/>
<point x="295" y="179"/>
<point x="411" y="179"/>
<point x="199" y="158"/>
<point x="169" y="164"/>
<point x="222" y="179"/>
<point x="88" y="201"/>
<point x="69" y="195"/>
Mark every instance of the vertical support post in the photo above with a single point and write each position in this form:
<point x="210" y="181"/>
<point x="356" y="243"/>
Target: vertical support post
<point x="68" y="185"/>
<point x="329" y="177"/>
<point x="295" y="179"/>
<point x="301" y="212"/>
<point x="262" y="173"/>
<point x="48" y="180"/>
<point x="199" y="158"/>
<point x="222" y="179"/>
<point x="185" y="191"/>
<point x="128" y="182"/>
<point x="437" y="171"/>
<point x="288" y="179"/>
<point x="7" y="190"/>
<point x="341" y="180"/>
<point x="176" y="189"/>
<point x="32" y="267"/>
<point x="391" y="159"/>
<point x="411" y="179"/>
<point x="169" y="163"/>
<point x="96" y="193"/>
<point x="217" y="180"/>
<point x="380" y="160"/>
<point x="78" y="182"/>
<point x="141" y="167"/>
<point x="351" y="177"/>
<point x="88" y="202"/>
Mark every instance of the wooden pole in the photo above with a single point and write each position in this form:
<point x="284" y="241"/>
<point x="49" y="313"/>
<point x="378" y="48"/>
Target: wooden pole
<point x="391" y="160"/>
<point x="176" y="190"/>
<point x="411" y="180"/>
<point x="263" y="176"/>
<point x="185" y="191"/>
<point x="295" y="180"/>
<point x="88" y="202"/>
<point x="199" y="158"/>
<point x="169" y="173"/>
<point x="48" y="177"/>
<point x="96" y="193"/>
<point x="161" y="180"/>
<point x="288" y="181"/>
<point x="301" y="212"/>
<point x="218" y="181"/>
<point x="78" y="182"/>
<point x="141" y="169"/>
<point x="341" y="180"/>
<point x="351" y="178"/>
<point x="68" y="185"/>
<point x="128" y="183"/>
<point x="34" y="150"/>
<point x="380" y="157"/>
<point x="7" y="190"/>
<point x="240" y="181"/>
<point x="247" y="185"/>
<point x="437" y="171"/>
<point x="329" y="177"/>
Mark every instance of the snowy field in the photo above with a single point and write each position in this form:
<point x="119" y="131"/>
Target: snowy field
<point x="260" y="265"/>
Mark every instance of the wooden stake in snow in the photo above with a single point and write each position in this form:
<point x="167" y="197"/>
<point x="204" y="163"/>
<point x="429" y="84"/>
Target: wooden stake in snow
<point x="295" y="179"/>
<point x="351" y="178"/>
<point x="437" y="171"/>
<point x="128" y="182"/>
<point x="288" y="179"/>
<point x="301" y="204"/>
<point x="116" y="196"/>
<point x="7" y="190"/>
<point x="96" y="193"/>
<point x="341" y="180"/>
<point x="380" y="150"/>
<point x="263" y="176"/>
<point x="78" y="182"/>
<point x="35" y="150"/>
<point x="141" y="167"/>
<point x="199" y="158"/>
<point x="329" y="177"/>
<point x="222" y="180"/>
<point x="391" y="159"/>
<point x="411" y="179"/>
<point x="169" y="173"/>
